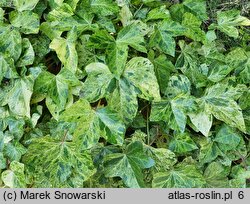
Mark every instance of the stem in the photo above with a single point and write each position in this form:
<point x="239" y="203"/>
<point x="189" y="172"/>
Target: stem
<point x="148" y="134"/>
<point x="64" y="137"/>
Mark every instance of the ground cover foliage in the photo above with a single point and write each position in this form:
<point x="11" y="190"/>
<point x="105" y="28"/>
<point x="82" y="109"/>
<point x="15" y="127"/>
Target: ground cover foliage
<point x="125" y="93"/>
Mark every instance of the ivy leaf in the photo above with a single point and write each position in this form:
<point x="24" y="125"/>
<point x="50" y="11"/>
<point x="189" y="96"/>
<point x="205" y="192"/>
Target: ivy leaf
<point x="2" y="161"/>
<point x="223" y="107"/>
<point x="182" y="176"/>
<point x="22" y="5"/>
<point x="182" y="143"/>
<point x="98" y="82"/>
<point x="227" y="138"/>
<point x="7" y="68"/>
<point x="239" y="60"/>
<point x="56" y="89"/>
<point x="189" y="63"/>
<point x="132" y="35"/>
<point x="19" y="96"/>
<point x="91" y="124"/>
<point x="66" y="51"/>
<point x="197" y="7"/>
<point x="14" y="178"/>
<point x="202" y="120"/>
<point x="216" y="175"/>
<point x="58" y="163"/>
<point x="101" y="39"/>
<point x="128" y="165"/>
<point x="173" y="111"/>
<point x="163" y="70"/>
<point x="209" y="151"/>
<point x="87" y="130"/>
<point x="178" y="84"/>
<point x="117" y="58"/>
<point x="27" y="57"/>
<point x="14" y="150"/>
<point x="158" y="13"/>
<point x="163" y="39"/>
<point x="124" y="100"/>
<point x="103" y="7"/>
<point x="164" y="158"/>
<point x="192" y="25"/>
<point x="27" y="21"/>
<point x="228" y="20"/>
<point x="140" y="72"/>
<point x="240" y="176"/>
<point x="111" y="125"/>
<point x="10" y="42"/>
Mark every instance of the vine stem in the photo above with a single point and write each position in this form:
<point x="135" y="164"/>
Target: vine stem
<point x="64" y="137"/>
<point x="148" y="134"/>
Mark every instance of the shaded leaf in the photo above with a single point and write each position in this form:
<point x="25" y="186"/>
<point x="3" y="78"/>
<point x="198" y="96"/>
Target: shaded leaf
<point x="128" y="165"/>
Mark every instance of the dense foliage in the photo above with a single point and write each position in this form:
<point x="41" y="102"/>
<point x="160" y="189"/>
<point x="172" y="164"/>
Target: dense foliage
<point x="124" y="93"/>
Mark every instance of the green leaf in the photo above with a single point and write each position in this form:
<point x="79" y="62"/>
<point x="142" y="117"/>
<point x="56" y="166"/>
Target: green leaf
<point x="190" y="64"/>
<point x="1" y="15"/>
<point x="163" y="70"/>
<point x="93" y="124"/>
<point x="27" y="21"/>
<point x="182" y="143"/>
<point x="164" y="158"/>
<point x="87" y="131"/>
<point x="98" y="82"/>
<point x="56" y="89"/>
<point x="140" y="72"/>
<point x="10" y="42"/>
<point x="22" y="5"/>
<point x="2" y="161"/>
<point x="66" y="51"/>
<point x="216" y="175"/>
<point x="182" y="176"/>
<point x="197" y="7"/>
<point x="219" y="71"/>
<point x="111" y="125"/>
<point x="132" y="35"/>
<point x="103" y="7"/>
<point x="173" y="111"/>
<point x="202" y="120"/>
<point x="178" y="84"/>
<point x="239" y="60"/>
<point x="128" y="165"/>
<point x="163" y="39"/>
<point x="240" y="176"/>
<point x="14" y="150"/>
<point x="58" y="163"/>
<point x="192" y="25"/>
<point x="4" y="66"/>
<point x="124" y="100"/>
<point x="18" y="98"/>
<point x="228" y="20"/>
<point x="117" y="58"/>
<point x="27" y="57"/>
<point x="227" y="137"/>
<point x="209" y="151"/>
<point x="14" y="178"/>
<point x="158" y="13"/>
<point x="221" y="104"/>
<point x="101" y="39"/>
